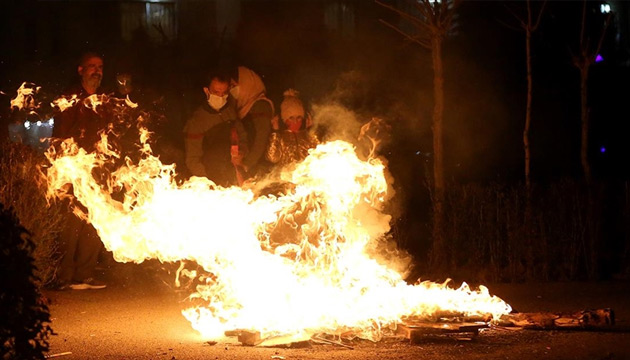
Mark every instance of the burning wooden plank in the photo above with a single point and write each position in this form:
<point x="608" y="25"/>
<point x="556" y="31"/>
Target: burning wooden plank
<point x="254" y="338"/>
<point x="246" y="337"/>
<point x="421" y="330"/>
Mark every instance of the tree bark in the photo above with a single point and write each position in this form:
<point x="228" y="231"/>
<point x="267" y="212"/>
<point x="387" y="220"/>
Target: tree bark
<point x="440" y="251"/>
<point x="528" y="114"/>
<point x="528" y="181"/>
<point x="586" y="166"/>
<point x="433" y="22"/>
<point x="583" y="62"/>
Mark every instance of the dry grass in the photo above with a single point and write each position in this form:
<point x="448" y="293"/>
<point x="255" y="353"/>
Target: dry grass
<point x="22" y="190"/>
<point x="492" y="236"/>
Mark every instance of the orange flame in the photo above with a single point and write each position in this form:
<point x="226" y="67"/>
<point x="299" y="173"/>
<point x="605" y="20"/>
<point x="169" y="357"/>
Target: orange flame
<point x="299" y="263"/>
<point x="25" y="98"/>
<point x="65" y="102"/>
<point x="130" y="103"/>
<point x="94" y="100"/>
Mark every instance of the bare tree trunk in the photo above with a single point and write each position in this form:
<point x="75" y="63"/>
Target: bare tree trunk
<point x="586" y="166"/>
<point x="433" y="21"/>
<point x="440" y="250"/>
<point x="583" y="62"/>
<point x="528" y="114"/>
<point x="528" y="181"/>
<point x="529" y="26"/>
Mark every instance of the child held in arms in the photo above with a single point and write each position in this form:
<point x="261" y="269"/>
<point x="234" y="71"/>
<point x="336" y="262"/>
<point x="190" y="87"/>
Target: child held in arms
<point x="293" y="142"/>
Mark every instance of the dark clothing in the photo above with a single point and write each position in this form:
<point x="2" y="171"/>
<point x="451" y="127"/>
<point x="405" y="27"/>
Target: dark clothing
<point x="124" y="131"/>
<point x="209" y="140"/>
<point x="79" y="243"/>
<point x="79" y="121"/>
<point x="257" y="124"/>
<point x="80" y="247"/>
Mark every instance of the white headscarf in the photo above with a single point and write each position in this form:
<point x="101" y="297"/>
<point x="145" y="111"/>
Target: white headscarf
<point x="251" y="89"/>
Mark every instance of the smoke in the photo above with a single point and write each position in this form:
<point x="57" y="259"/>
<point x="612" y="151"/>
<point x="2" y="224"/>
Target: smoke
<point x="336" y="122"/>
<point x="333" y="119"/>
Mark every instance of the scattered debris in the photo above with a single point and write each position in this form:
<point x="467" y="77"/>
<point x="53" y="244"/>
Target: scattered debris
<point x="254" y="338"/>
<point x="461" y="329"/>
<point x="581" y="320"/>
<point x="332" y="342"/>
<point x="246" y="337"/>
<point x="420" y="330"/>
<point x="58" y="355"/>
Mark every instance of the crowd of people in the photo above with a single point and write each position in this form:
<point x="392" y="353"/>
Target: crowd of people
<point x="232" y="137"/>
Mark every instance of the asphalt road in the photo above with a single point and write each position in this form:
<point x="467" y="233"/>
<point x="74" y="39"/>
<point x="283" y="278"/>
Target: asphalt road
<point x="141" y="319"/>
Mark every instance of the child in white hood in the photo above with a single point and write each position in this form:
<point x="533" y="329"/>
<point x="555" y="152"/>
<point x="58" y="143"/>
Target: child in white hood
<point x="292" y="144"/>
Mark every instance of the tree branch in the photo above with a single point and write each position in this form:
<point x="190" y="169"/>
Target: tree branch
<point x="436" y="22"/>
<point x="424" y="8"/>
<point x="515" y="28"/>
<point x="542" y="9"/>
<point x="422" y="42"/>
<point x="583" y="24"/>
<point x="603" y="35"/>
<point x="414" y="20"/>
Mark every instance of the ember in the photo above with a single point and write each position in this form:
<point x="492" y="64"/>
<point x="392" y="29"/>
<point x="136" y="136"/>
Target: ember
<point x="325" y="279"/>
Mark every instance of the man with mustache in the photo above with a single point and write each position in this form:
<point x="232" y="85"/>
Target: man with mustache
<point x="81" y="122"/>
<point x="79" y="243"/>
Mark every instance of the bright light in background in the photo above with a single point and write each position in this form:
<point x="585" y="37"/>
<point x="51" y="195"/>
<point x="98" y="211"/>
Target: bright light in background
<point x="34" y="133"/>
<point x="604" y="8"/>
<point x="48" y="123"/>
<point x="599" y="58"/>
<point x="602" y="149"/>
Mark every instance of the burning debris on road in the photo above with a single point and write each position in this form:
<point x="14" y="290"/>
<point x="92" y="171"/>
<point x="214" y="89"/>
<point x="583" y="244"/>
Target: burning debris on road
<point x="302" y="264"/>
<point x="298" y="263"/>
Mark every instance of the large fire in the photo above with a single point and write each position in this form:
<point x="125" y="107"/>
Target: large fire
<point x="299" y="262"/>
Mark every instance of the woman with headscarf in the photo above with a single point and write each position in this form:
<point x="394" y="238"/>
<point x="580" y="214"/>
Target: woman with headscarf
<point x="255" y="111"/>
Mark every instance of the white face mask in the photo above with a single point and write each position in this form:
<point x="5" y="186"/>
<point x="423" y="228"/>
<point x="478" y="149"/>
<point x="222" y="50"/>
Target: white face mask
<point x="235" y="91"/>
<point x="217" y="102"/>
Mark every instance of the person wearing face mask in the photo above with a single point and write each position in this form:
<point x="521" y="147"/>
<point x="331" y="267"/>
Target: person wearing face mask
<point x="292" y="144"/>
<point x="212" y="133"/>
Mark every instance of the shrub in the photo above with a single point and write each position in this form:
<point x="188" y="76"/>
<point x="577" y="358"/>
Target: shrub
<point x="24" y="317"/>
<point x="493" y="237"/>
<point x="22" y="188"/>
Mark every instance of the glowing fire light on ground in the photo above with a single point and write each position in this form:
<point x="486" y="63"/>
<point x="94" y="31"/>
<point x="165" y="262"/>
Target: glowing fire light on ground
<point x="298" y="263"/>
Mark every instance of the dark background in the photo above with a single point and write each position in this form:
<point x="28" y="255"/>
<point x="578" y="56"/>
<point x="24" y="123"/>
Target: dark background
<point x="339" y="52"/>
